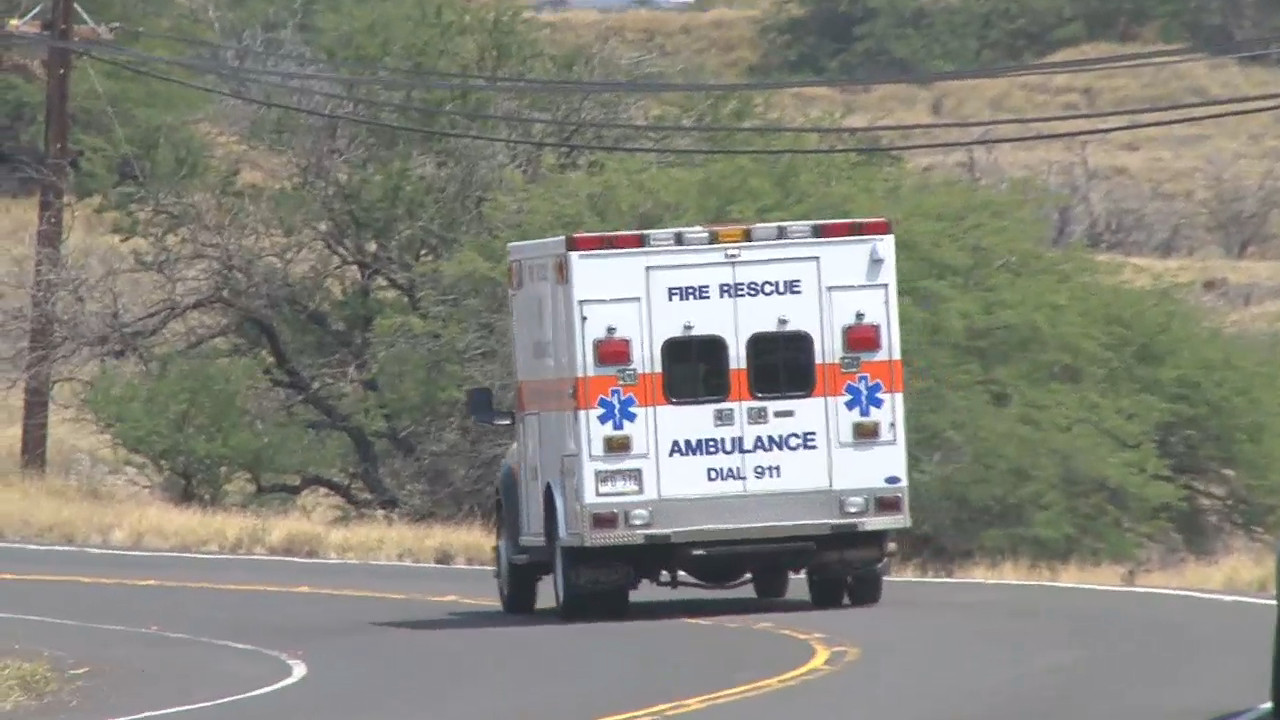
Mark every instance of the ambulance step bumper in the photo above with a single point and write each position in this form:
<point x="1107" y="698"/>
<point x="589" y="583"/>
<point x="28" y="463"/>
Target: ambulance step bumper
<point x="771" y="516"/>
<point x="798" y="548"/>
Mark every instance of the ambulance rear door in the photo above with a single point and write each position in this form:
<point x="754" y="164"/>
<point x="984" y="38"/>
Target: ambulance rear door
<point x="783" y="385"/>
<point x="693" y="341"/>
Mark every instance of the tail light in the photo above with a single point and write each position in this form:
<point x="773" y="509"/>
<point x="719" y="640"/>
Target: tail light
<point x="889" y="504"/>
<point x="862" y="338"/>
<point x="613" y="352"/>
<point x="604" y="520"/>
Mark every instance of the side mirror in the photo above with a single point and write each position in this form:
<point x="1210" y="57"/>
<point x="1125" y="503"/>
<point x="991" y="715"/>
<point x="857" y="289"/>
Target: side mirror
<point x="480" y="408"/>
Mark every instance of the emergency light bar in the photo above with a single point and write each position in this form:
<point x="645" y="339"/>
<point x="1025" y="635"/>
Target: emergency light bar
<point x="867" y="227"/>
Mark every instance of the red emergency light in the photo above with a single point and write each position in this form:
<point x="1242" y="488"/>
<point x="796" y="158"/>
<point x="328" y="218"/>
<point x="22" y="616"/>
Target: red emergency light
<point x="853" y="228"/>
<point x="604" y="241"/>
<point x="862" y="338"/>
<point x="613" y="351"/>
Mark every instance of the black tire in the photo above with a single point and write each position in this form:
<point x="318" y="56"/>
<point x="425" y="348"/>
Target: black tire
<point x="571" y="604"/>
<point x="1275" y="670"/>
<point x="613" y="604"/>
<point x="517" y="584"/>
<point x="825" y="591"/>
<point x="771" y="584"/>
<point x="865" y="589"/>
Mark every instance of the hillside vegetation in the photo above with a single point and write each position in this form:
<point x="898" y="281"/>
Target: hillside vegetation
<point x="1196" y="189"/>
<point x="277" y="319"/>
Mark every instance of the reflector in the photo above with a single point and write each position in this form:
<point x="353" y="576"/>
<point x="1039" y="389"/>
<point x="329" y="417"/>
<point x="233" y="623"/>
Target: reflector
<point x="889" y="504"/>
<point x="606" y="520"/>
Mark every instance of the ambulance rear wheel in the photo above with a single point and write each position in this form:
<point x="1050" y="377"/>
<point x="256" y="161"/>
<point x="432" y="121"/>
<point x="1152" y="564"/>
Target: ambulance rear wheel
<point x="571" y="603"/>
<point x="517" y="584"/>
<point x="865" y="589"/>
<point x="826" y="591"/>
<point x="613" y="604"/>
<point x="771" y="584"/>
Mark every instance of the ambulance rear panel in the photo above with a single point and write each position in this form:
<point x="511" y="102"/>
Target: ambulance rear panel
<point x="721" y="372"/>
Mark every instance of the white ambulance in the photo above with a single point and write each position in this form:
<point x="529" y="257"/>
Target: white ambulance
<point x="721" y="403"/>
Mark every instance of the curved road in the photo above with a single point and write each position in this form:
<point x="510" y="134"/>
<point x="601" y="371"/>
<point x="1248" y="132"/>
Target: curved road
<point x="206" y="637"/>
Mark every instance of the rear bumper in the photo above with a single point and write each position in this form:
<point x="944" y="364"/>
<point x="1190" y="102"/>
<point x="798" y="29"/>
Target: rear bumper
<point x="763" y="516"/>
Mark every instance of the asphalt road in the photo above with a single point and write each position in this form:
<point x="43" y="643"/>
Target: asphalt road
<point x="150" y="635"/>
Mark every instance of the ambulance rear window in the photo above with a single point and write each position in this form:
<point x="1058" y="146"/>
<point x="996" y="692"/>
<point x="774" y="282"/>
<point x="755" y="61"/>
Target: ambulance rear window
<point x="695" y="369"/>
<point x="781" y="365"/>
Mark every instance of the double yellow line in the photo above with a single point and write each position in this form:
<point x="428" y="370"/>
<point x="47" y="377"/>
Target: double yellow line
<point x="824" y="658"/>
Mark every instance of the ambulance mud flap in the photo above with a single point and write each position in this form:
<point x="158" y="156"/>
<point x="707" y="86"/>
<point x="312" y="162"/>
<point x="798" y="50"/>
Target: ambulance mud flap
<point x="590" y="574"/>
<point x="847" y="561"/>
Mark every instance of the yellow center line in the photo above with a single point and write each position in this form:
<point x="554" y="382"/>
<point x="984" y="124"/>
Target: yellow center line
<point x="824" y="658"/>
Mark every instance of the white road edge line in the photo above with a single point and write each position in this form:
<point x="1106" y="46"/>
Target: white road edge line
<point x="297" y="668"/>
<point x="215" y="556"/>
<point x="1258" y="713"/>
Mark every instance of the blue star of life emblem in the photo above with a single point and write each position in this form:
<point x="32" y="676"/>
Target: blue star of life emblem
<point x="616" y="408"/>
<point x="864" y="395"/>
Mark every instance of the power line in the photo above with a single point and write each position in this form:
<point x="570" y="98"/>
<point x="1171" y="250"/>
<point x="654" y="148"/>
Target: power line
<point x="238" y="72"/>
<point x="689" y="150"/>
<point x="643" y="87"/>
<point x="500" y="83"/>
<point x="233" y="71"/>
<point x="776" y="128"/>
<point x="1225" y="50"/>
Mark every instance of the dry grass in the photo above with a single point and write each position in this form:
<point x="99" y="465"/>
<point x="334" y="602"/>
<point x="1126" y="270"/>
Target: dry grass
<point x="1185" y="159"/>
<point x="59" y="511"/>
<point x="1249" y="570"/>
<point x="720" y="41"/>
<point x="1248" y="291"/>
<point x="73" y="512"/>
<point x="18" y="220"/>
<point x="87" y="232"/>
<point x="23" y="682"/>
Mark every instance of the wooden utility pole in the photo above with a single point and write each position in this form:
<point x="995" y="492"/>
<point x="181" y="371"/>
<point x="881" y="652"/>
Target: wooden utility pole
<point x="48" y="253"/>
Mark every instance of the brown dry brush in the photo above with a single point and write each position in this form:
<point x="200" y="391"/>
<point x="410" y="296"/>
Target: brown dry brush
<point x="1236" y="213"/>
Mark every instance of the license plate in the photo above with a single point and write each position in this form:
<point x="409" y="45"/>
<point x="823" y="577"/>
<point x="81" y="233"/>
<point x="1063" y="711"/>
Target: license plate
<point x="622" y="482"/>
